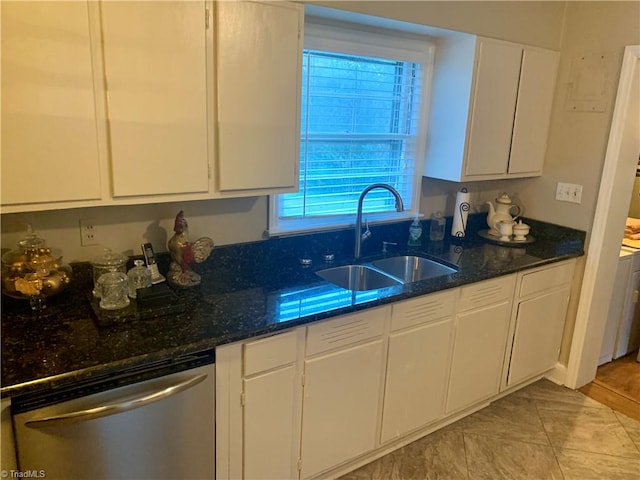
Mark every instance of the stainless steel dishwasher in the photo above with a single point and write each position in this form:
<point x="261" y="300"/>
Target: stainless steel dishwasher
<point x="152" y="422"/>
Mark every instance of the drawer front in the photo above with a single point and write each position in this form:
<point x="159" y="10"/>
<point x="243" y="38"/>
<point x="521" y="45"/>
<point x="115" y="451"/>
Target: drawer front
<point x="270" y="352"/>
<point x="346" y="330"/>
<point x="545" y="279"/>
<point x="486" y="293"/>
<point x="423" y="309"/>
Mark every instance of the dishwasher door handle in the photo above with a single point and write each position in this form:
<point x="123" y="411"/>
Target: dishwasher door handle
<point x="114" y="408"/>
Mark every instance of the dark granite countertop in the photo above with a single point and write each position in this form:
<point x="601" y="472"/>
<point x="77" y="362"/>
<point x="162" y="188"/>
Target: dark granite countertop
<point x="247" y="290"/>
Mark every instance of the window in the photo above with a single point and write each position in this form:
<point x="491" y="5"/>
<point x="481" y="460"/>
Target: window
<point x="362" y="122"/>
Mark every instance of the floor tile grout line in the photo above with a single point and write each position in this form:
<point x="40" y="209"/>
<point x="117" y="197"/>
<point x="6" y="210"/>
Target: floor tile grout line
<point x="553" y="450"/>
<point x="615" y="414"/>
<point x="624" y="429"/>
<point x="595" y="453"/>
<point x="466" y="458"/>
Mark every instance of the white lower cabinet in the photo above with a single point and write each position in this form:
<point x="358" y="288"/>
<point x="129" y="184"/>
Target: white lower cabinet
<point x="258" y="407"/>
<point x="270" y="445"/>
<point x="481" y="329"/>
<point x="311" y="401"/>
<point x="417" y="363"/>
<point x="538" y="321"/>
<point x="341" y="406"/>
<point x="343" y="377"/>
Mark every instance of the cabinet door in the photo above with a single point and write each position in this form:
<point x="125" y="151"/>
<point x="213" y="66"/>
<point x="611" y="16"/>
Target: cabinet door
<point x="478" y="354"/>
<point x="155" y="67"/>
<point x="49" y="131"/>
<point x="538" y="335"/>
<point x="533" y="111"/>
<point x="341" y="406"/>
<point x="416" y="380"/>
<point x="271" y="438"/>
<point x="259" y="51"/>
<point x="494" y="104"/>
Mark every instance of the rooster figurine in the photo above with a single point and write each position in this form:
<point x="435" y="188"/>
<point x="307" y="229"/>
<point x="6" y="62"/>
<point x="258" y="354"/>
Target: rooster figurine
<point x="184" y="253"/>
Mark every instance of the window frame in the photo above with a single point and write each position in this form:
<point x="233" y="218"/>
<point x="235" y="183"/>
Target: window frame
<point x="360" y="40"/>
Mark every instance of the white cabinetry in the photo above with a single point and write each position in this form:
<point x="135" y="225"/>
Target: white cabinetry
<point x="417" y="363"/>
<point x="259" y="55"/>
<point x="344" y="373"/>
<point x="538" y="321"/>
<point x="115" y="103"/>
<point x="50" y="149"/>
<point x="490" y="109"/>
<point x="481" y="328"/>
<point x="155" y="69"/>
<point x="310" y="402"/>
<point x="258" y="407"/>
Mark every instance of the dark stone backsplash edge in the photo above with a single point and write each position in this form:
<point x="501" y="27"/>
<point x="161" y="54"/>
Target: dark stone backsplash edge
<point x="248" y="289"/>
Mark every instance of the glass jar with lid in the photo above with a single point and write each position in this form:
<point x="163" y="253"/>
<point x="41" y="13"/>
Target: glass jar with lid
<point x="107" y="262"/>
<point x="34" y="271"/>
<point x="139" y="277"/>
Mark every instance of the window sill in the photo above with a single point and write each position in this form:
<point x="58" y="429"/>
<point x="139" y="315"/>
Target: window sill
<point x="295" y="227"/>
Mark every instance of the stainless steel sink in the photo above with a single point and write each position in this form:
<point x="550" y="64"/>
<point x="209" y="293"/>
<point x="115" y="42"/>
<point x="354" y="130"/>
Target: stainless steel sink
<point x="409" y="268"/>
<point x="357" y="277"/>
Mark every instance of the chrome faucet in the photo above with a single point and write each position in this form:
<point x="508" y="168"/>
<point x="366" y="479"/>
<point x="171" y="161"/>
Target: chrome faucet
<point x="359" y="236"/>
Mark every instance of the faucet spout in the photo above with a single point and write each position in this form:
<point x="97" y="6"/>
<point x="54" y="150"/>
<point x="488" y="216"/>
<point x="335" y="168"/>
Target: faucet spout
<point x="399" y="208"/>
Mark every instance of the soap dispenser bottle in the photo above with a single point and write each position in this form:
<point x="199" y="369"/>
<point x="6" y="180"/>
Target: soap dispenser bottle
<point x="415" y="232"/>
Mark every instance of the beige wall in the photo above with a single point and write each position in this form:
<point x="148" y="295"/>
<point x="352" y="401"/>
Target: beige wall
<point x="124" y="229"/>
<point x="578" y="140"/>
<point x="533" y="23"/>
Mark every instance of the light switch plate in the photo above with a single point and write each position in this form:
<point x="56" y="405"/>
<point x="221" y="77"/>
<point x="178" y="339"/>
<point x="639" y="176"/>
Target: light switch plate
<point x="569" y="192"/>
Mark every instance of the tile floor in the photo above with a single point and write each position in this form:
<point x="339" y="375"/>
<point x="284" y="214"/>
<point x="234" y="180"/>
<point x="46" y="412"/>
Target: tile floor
<point x="541" y="432"/>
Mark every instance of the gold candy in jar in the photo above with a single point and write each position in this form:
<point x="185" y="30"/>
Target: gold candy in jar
<point x="34" y="270"/>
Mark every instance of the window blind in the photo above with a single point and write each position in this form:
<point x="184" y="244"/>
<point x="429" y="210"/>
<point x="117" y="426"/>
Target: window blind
<point x="359" y="121"/>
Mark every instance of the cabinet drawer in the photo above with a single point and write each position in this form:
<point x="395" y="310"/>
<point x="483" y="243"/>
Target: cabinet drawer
<point x="346" y="330"/>
<point x="423" y="309"/>
<point x="486" y="293"/>
<point x="270" y="352"/>
<point x="545" y="279"/>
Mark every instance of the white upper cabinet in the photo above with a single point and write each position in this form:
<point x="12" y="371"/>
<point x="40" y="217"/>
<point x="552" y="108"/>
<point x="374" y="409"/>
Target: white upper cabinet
<point x="533" y="112"/>
<point x="155" y="61"/>
<point x="490" y="109"/>
<point x="115" y="103"/>
<point x="50" y="150"/>
<point x="259" y="55"/>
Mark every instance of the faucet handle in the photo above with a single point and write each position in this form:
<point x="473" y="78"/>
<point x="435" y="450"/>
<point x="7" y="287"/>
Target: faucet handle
<point x="367" y="232"/>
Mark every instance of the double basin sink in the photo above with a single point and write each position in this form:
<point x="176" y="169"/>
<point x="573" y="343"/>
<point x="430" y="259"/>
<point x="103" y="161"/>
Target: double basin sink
<point x="387" y="272"/>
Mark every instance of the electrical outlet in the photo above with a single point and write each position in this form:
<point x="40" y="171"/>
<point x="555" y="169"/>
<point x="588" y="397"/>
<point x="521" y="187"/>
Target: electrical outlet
<point x="569" y="192"/>
<point x="88" y="232"/>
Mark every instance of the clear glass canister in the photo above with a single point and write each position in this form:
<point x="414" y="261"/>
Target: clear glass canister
<point x="105" y="263"/>
<point x="139" y="277"/>
<point x="114" y="289"/>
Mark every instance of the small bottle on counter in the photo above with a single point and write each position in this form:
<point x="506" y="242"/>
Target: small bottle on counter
<point x="436" y="227"/>
<point x="415" y="232"/>
<point x="139" y="277"/>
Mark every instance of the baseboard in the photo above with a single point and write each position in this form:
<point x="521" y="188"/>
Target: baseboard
<point x="558" y="374"/>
